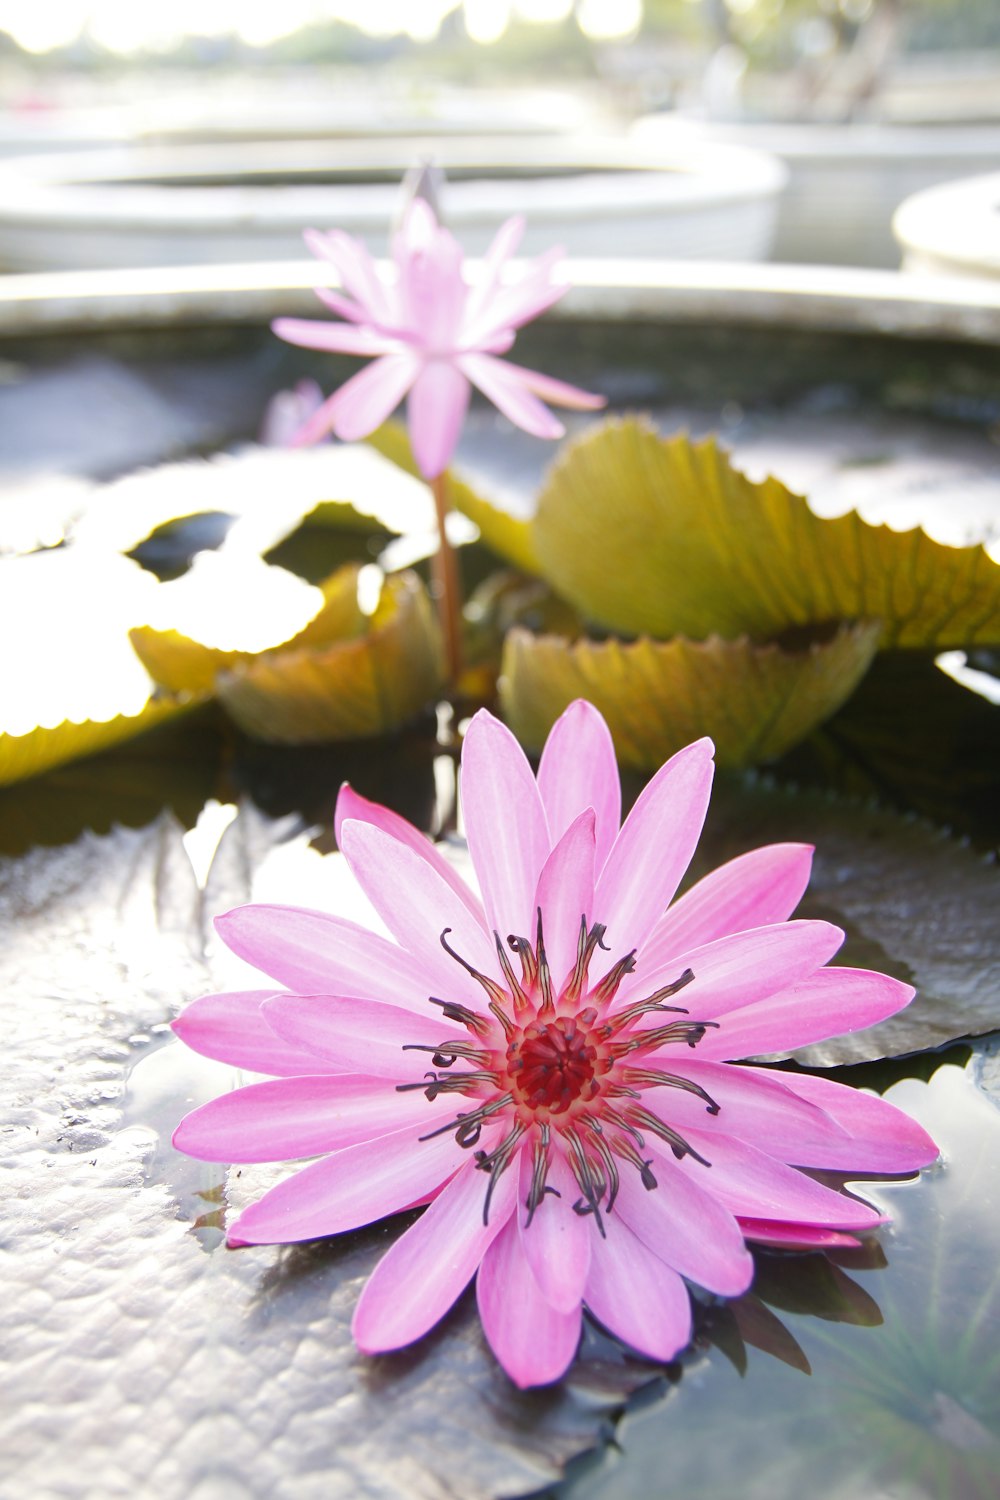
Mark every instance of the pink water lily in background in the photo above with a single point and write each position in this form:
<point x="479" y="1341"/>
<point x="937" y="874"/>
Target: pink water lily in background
<point x="432" y="334"/>
<point x="550" y="1064"/>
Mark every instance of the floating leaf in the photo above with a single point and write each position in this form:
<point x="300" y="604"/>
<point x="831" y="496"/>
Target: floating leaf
<point x="100" y="944"/>
<point x="70" y="683"/>
<point x="180" y="663"/>
<point x="178" y="764"/>
<point x="900" y="737"/>
<point x="508" y="535"/>
<point x="913" y="902"/>
<point x="755" y="701"/>
<point x="347" y="690"/>
<point x="264" y="492"/>
<point x="23" y="755"/>
<point x="907" y="1409"/>
<point x="662" y="536"/>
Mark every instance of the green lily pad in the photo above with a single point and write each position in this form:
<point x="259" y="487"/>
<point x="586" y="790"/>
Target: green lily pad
<point x="913" y="902"/>
<point x="755" y="701"/>
<point x="312" y="690"/>
<point x="508" y="535"/>
<point x="910" y="1408"/>
<point x="663" y="537"/>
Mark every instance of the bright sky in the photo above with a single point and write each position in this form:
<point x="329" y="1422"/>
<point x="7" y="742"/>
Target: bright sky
<point x="127" y="25"/>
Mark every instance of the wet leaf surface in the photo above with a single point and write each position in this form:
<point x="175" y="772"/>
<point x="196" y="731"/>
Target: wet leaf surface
<point x="657" y="696"/>
<point x="697" y="549"/>
<point x="907" y="1407"/>
<point x="913" y="902"/>
<point x="237" y="1367"/>
<point x="913" y="738"/>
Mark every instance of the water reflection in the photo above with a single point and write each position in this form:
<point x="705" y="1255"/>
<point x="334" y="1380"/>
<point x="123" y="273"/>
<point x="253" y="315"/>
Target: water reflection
<point x="164" y="1082"/>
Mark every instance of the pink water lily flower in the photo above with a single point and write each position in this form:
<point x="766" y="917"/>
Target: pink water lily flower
<point x="548" y="1064"/>
<point x="431" y="334"/>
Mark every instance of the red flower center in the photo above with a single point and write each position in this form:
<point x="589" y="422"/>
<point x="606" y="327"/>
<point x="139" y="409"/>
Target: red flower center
<point x="552" y="1064"/>
<point x="561" y="1069"/>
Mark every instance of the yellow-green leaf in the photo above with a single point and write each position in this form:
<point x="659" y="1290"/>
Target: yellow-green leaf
<point x="345" y="690"/>
<point x="180" y="663"/>
<point x="663" y="537"/>
<point x="508" y="535"/>
<point x="754" y="701"/>
<point x="23" y="755"/>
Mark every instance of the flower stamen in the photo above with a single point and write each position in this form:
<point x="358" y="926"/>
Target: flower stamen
<point x="497" y="1162"/>
<point x="678" y="1145"/>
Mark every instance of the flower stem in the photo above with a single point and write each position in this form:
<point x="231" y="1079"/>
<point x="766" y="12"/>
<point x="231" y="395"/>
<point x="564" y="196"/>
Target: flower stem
<point x="446" y="585"/>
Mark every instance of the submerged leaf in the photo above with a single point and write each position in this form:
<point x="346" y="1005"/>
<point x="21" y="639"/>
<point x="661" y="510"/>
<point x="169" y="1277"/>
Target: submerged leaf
<point x="662" y="536"/>
<point x="508" y="535"/>
<point x="313" y="690"/>
<point x="657" y="696"/>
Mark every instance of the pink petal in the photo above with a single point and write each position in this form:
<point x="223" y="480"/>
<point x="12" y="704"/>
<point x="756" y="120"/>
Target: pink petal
<point x="232" y="1029"/>
<point x="685" y="1225"/>
<point x="485" y="291"/>
<point x="505" y="824"/>
<point x="754" y="890"/>
<point x="336" y="338"/>
<point x="556" y="391"/>
<point x="432" y="290"/>
<point x="752" y="1184"/>
<point x="342" y="306"/>
<point x="513" y="303"/>
<point x="293" y="1117"/>
<point x="654" y="847"/>
<point x="353" y="1187"/>
<point x="740" y="970"/>
<point x="831" y="1002"/>
<point x="534" y="1343"/>
<point x="881" y="1137"/>
<point x="438" y="402"/>
<point x="426" y="1270"/>
<point x="354" y="1036"/>
<point x="509" y="395"/>
<point x="557" y="1243"/>
<point x="795" y="1236"/>
<point x="578" y="769"/>
<point x="356" y="269"/>
<point x="368" y="398"/>
<point x="754" y="1104"/>
<point x="565" y="895"/>
<point x="418" y="906"/>
<point x="636" y="1297"/>
<point x="351" y="804"/>
<point x="362" y="403"/>
<point x="315" y="953"/>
